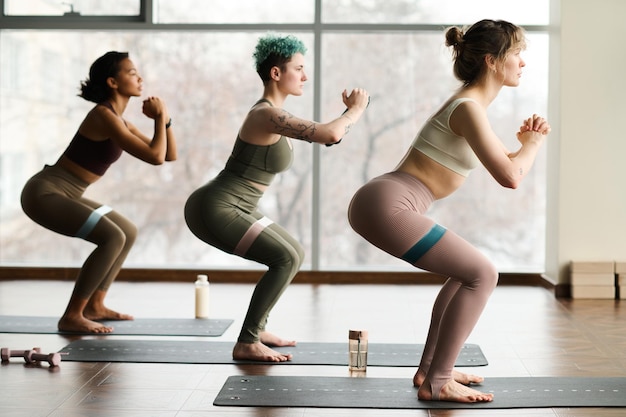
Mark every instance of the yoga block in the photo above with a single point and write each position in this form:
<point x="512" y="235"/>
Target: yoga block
<point x="580" y="279"/>
<point x="593" y="292"/>
<point x="599" y="267"/>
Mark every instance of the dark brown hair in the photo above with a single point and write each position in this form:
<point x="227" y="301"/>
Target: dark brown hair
<point x="487" y="37"/>
<point x="95" y="88"/>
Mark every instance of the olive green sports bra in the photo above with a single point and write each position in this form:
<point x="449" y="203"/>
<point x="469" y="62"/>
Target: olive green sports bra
<point x="260" y="163"/>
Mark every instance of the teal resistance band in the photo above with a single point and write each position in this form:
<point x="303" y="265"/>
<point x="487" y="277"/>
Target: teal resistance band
<point x="424" y="244"/>
<point x="92" y="221"/>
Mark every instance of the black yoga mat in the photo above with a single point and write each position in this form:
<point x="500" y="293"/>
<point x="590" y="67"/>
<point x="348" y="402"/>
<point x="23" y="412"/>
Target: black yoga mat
<point x="194" y="351"/>
<point x="396" y="393"/>
<point x="137" y="327"/>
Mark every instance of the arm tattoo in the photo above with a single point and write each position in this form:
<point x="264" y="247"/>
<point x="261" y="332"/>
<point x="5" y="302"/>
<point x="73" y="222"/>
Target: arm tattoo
<point x="286" y="125"/>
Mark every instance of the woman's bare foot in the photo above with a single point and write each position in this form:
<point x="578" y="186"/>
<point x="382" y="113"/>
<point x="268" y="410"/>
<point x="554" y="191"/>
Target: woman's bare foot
<point x="455" y="392"/>
<point x="103" y="313"/>
<point x="270" y="339"/>
<point x="82" y="325"/>
<point x="258" y="352"/>
<point x="460" y="377"/>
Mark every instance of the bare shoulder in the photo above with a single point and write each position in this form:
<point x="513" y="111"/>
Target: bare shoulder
<point x="468" y="117"/>
<point x="101" y="123"/>
<point x="101" y="114"/>
<point x="258" y="128"/>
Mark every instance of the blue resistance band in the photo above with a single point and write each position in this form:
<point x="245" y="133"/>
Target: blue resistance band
<point x="424" y="244"/>
<point x="92" y="221"/>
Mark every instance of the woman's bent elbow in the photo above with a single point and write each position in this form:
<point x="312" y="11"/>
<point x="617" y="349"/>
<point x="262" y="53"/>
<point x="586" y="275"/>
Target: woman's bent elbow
<point x="334" y="139"/>
<point x="512" y="184"/>
<point x="156" y="160"/>
<point x="509" y="182"/>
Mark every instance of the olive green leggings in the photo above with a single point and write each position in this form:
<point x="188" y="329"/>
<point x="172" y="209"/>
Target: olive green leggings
<point x="223" y="213"/>
<point x="53" y="198"/>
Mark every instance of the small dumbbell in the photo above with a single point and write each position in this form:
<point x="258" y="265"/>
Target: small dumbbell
<point x="6" y="353"/>
<point x="34" y="357"/>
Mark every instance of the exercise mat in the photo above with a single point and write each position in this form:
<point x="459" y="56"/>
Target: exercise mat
<point x="194" y="351"/>
<point x="137" y="327"/>
<point x="396" y="393"/>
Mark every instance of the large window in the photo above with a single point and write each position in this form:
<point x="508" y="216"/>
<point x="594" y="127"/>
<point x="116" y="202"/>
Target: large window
<point x="197" y="56"/>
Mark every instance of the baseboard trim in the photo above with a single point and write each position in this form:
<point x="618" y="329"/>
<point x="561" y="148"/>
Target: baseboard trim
<point x="252" y="276"/>
<point x="563" y="291"/>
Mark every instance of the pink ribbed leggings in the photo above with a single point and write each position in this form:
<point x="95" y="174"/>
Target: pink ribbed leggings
<point x="388" y="212"/>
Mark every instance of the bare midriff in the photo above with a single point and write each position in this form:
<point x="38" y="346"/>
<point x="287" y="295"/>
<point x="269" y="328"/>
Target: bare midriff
<point x="260" y="187"/>
<point x="441" y="181"/>
<point x="78" y="171"/>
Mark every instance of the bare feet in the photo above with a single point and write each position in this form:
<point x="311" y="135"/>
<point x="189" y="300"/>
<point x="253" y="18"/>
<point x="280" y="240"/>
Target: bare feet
<point x="82" y="325"/>
<point x="454" y="391"/>
<point x="270" y="339"/>
<point x="460" y="377"/>
<point x="103" y="313"/>
<point x="258" y="352"/>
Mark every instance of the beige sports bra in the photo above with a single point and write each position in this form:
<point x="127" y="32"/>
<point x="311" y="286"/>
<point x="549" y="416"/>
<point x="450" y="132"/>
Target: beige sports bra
<point x="437" y="141"/>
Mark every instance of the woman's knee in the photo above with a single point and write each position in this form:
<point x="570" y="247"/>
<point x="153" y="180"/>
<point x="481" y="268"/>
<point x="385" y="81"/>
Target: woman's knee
<point x="130" y="232"/>
<point x="114" y="235"/>
<point x="487" y="276"/>
<point x="290" y="258"/>
<point x="125" y="230"/>
<point x="493" y="275"/>
<point x="299" y="255"/>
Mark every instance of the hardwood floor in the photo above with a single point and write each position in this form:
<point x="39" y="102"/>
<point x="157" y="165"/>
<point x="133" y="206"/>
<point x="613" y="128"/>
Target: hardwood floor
<point x="524" y="331"/>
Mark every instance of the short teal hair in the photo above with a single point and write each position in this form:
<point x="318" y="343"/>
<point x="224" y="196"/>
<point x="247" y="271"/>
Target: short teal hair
<point x="275" y="51"/>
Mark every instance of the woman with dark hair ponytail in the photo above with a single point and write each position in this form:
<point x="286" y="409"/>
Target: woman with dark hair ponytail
<point x="389" y="211"/>
<point x="54" y="197"/>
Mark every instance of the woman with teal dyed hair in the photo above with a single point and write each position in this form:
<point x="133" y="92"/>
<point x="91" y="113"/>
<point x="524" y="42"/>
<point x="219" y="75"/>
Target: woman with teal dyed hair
<point x="224" y="212"/>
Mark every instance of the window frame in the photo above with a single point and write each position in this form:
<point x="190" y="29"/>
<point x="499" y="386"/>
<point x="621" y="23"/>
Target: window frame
<point x="145" y="21"/>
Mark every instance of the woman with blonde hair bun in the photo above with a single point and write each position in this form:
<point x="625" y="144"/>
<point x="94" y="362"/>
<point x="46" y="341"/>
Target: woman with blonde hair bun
<point x="389" y="211"/>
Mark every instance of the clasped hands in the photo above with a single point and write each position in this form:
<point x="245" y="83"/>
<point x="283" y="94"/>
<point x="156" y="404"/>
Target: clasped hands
<point x="535" y="124"/>
<point x="154" y="107"/>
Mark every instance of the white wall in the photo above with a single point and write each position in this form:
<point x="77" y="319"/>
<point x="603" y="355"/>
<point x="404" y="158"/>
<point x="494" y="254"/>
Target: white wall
<point x="587" y="158"/>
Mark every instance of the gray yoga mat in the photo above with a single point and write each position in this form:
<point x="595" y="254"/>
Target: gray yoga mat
<point x="137" y="327"/>
<point x="195" y="351"/>
<point x="396" y="393"/>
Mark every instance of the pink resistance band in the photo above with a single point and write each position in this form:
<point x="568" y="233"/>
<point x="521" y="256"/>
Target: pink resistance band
<point x="251" y="234"/>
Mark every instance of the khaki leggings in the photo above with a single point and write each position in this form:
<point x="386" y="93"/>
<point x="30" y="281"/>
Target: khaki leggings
<point x="223" y="213"/>
<point x="389" y="212"/>
<point x="53" y="198"/>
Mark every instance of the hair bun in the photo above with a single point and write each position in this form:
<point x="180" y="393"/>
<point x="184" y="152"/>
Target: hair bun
<point x="454" y="37"/>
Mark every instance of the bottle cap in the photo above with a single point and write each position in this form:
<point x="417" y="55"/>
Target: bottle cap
<point x="203" y="278"/>
<point x="357" y="334"/>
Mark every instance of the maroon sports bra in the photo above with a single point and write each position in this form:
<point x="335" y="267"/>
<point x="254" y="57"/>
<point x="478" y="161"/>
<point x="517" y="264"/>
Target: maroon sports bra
<point x="94" y="156"/>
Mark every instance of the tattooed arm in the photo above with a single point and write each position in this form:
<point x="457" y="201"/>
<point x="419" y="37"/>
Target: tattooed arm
<point x="278" y="121"/>
<point x="286" y="124"/>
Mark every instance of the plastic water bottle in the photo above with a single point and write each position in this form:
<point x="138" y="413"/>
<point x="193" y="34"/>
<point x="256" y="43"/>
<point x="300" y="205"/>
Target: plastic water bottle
<point x="202" y="297"/>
